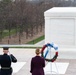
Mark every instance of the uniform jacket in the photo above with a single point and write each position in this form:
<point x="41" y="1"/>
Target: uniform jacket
<point x="5" y="62"/>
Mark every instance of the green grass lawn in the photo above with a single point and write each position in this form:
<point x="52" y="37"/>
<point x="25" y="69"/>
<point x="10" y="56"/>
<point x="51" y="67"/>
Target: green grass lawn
<point x="36" y="40"/>
<point x="13" y="31"/>
<point x="6" y="32"/>
<point x="31" y="42"/>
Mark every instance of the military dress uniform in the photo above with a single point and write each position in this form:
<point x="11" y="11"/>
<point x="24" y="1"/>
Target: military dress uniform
<point x="5" y="63"/>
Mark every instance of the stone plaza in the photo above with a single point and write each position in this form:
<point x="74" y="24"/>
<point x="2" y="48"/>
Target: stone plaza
<point x="24" y="55"/>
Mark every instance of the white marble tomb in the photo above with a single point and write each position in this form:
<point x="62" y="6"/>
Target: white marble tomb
<point x="60" y="26"/>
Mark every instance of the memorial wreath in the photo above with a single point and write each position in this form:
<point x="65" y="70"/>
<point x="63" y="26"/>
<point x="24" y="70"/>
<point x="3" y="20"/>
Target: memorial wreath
<point x="51" y="46"/>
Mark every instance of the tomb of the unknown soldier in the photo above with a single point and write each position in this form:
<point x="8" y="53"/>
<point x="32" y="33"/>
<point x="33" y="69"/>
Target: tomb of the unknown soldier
<point x="60" y="26"/>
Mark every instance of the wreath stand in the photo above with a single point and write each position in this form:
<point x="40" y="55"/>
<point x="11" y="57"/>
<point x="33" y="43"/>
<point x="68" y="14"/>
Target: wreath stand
<point x="51" y="67"/>
<point x="51" y="60"/>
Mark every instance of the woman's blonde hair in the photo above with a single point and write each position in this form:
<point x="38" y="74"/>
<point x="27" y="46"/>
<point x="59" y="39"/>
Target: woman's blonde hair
<point x="37" y="51"/>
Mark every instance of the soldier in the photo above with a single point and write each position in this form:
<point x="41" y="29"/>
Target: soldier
<point x="5" y="62"/>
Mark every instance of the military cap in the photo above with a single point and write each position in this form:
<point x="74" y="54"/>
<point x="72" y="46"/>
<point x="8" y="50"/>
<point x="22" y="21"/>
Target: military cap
<point x="5" y="48"/>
